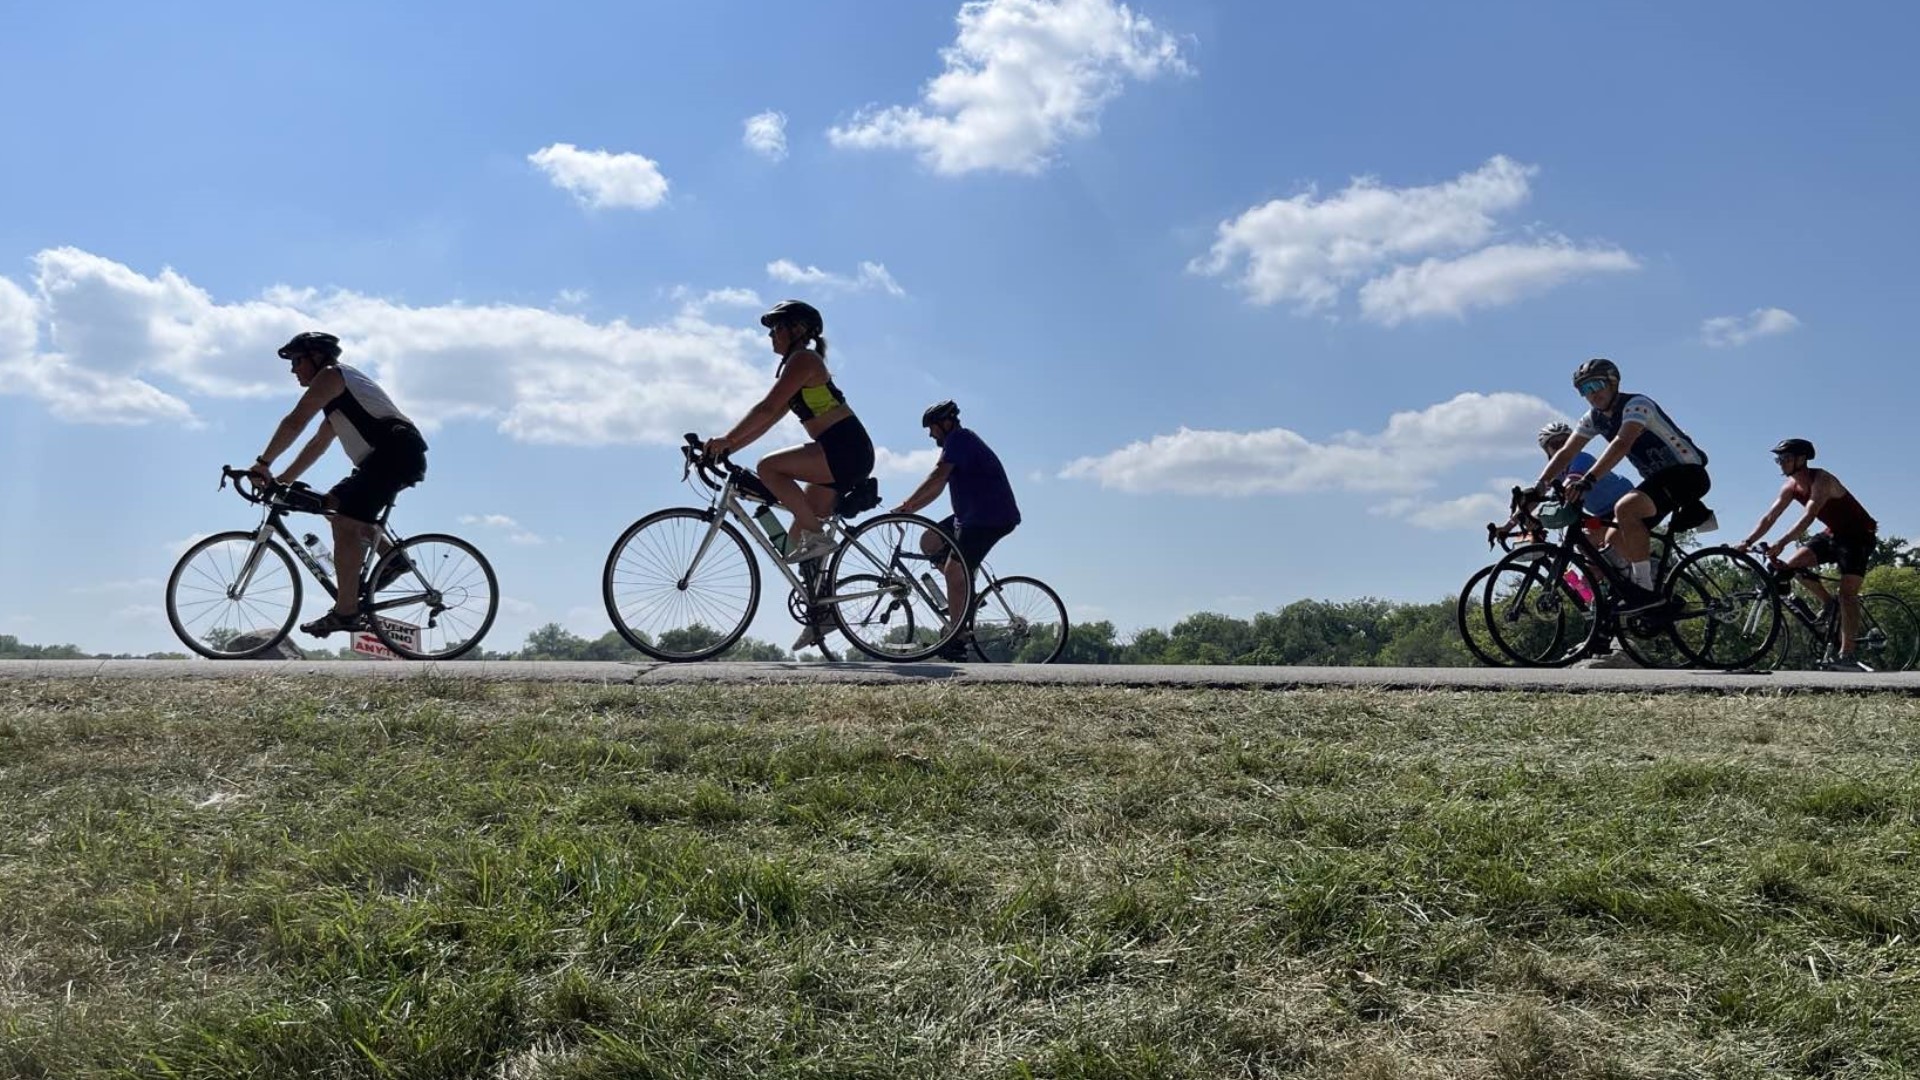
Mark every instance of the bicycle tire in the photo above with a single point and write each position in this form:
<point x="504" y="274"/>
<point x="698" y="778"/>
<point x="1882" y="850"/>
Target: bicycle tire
<point x="629" y="565"/>
<point x="1538" y="588"/>
<point x="1470" y="616"/>
<point x="425" y="611"/>
<point x="1721" y="596"/>
<point x="880" y="609"/>
<point x="1893" y="619"/>
<point x="1019" y="644"/>
<point x="209" y="643"/>
<point x="886" y="547"/>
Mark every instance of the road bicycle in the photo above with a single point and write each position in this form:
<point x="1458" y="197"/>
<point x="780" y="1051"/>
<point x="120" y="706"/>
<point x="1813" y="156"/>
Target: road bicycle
<point x="1469" y="615"/>
<point x="236" y="595"/>
<point x="1889" y="637"/>
<point x="1016" y="620"/>
<point x="682" y="584"/>
<point x="1719" y="608"/>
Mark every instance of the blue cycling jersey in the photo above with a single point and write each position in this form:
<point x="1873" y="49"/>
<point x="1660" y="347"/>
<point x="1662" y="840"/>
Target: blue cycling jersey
<point x="1606" y="491"/>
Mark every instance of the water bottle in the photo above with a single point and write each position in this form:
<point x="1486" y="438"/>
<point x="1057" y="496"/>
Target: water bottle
<point x="319" y="551"/>
<point x="1578" y="582"/>
<point x="770" y="524"/>
<point x="939" y="596"/>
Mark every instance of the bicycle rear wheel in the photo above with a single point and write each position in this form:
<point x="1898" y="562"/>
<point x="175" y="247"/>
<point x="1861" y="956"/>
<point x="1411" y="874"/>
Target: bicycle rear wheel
<point x="226" y="603"/>
<point x="438" y="600"/>
<point x="1470" y="619"/>
<point x="1725" y="613"/>
<point x="1019" y="620"/>
<point x="1534" y="614"/>
<point x="664" y="604"/>
<point x="1889" y="633"/>
<point x="882" y="555"/>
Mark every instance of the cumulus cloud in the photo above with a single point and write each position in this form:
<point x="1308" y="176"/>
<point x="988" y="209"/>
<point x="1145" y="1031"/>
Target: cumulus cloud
<point x="872" y="276"/>
<point x="601" y="179"/>
<point x="766" y="135"/>
<point x="1405" y="456"/>
<point x="1452" y="515"/>
<point x="537" y="375"/>
<point x="1733" y="331"/>
<point x="912" y="464"/>
<point x="1307" y="251"/>
<point x="1022" y="77"/>
<point x="502" y="523"/>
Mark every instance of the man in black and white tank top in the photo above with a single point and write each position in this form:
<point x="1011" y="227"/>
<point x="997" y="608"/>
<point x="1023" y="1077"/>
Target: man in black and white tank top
<point x="387" y="451"/>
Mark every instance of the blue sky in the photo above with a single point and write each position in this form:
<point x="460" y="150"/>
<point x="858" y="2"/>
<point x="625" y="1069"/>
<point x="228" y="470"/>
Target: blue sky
<point x="1257" y="301"/>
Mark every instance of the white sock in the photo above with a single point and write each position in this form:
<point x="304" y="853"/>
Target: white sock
<point x="1643" y="573"/>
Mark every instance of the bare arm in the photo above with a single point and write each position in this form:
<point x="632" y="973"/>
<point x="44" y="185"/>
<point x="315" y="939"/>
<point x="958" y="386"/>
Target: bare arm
<point x="1825" y="489"/>
<point x="761" y="418"/>
<point x="1557" y="464"/>
<point x="309" y="454"/>
<point x="1772" y="515"/>
<point x="1616" y="449"/>
<point x="929" y="490"/>
<point x="324" y="388"/>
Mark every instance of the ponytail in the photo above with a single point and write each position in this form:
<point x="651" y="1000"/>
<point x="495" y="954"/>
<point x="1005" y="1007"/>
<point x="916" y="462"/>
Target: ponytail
<point x="820" y="345"/>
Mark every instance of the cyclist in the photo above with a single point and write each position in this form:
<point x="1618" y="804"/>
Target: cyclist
<point x="1847" y="540"/>
<point x="1673" y="470"/>
<point x="840" y="455"/>
<point x="1597" y="517"/>
<point x="387" y="451"/>
<point x="984" y="509"/>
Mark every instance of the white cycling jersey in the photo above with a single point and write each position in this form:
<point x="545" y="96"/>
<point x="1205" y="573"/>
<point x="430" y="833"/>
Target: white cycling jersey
<point x="1660" y="445"/>
<point x="366" y="419"/>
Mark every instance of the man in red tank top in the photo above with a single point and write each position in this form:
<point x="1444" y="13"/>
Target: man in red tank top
<point x="1847" y="540"/>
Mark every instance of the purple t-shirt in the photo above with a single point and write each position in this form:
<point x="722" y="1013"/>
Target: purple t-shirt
<point x="982" y="498"/>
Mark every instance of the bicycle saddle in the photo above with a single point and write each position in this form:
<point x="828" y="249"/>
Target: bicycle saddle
<point x="858" y="499"/>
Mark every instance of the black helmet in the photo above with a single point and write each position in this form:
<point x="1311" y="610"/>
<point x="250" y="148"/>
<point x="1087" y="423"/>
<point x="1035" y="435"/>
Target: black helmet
<point x="1796" y="447"/>
<point x="945" y="410"/>
<point x="795" y="312"/>
<point x="1597" y="368"/>
<point x="1556" y="431"/>
<point x="310" y="343"/>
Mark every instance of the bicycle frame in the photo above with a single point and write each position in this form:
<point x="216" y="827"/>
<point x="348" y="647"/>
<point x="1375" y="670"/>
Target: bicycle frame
<point x="273" y="524"/>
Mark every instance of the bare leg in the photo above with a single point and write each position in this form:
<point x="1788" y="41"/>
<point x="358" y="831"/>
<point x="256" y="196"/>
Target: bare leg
<point x="1849" y="612"/>
<point x="350" y="538"/>
<point x="782" y="472"/>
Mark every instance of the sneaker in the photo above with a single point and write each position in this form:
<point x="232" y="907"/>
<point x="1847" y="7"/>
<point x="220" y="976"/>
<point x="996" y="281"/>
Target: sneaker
<point x="814" y="633"/>
<point x="1635" y="599"/>
<point x="1844" y="663"/>
<point x="807" y="545"/>
<point x="1605" y="660"/>
<point x="954" y="652"/>
<point x="332" y="621"/>
<point x="392" y="573"/>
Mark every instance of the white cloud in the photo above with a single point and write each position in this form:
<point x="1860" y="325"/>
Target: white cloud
<point x="913" y="464"/>
<point x="1491" y="277"/>
<point x="1307" y="251"/>
<point x="570" y="297"/>
<point x="766" y="135"/>
<point x="873" y="276"/>
<point x="1732" y="331"/>
<point x="1447" y="515"/>
<point x="503" y="523"/>
<point x="1021" y="77"/>
<point x="601" y="179"/>
<point x="1406" y="455"/>
<point x="537" y="375"/>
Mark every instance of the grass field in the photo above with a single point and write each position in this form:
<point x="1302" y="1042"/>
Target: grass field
<point x="451" y="879"/>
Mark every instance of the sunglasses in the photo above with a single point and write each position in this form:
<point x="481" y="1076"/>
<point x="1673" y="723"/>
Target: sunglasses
<point x="1591" y="386"/>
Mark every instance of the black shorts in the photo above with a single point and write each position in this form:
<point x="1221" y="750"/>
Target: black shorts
<point x="1851" y="553"/>
<point x="974" y="541"/>
<point x="1675" y="486"/>
<point x="377" y="481"/>
<point x="849" y="452"/>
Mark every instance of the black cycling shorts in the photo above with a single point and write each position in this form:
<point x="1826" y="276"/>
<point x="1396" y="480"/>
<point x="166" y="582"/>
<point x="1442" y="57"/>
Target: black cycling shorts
<point x="974" y="541"/>
<point x="849" y="452"/>
<point x="1675" y="486"/>
<point x="377" y="481"/>
<point x="1851" y="553"/>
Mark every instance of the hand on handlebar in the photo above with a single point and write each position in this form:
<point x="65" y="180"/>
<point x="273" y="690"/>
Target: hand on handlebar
<point x="717" y="447"/>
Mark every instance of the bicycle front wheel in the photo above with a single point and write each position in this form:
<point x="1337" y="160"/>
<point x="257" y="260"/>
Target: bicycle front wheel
<point x="1019" y="620"/>
<point x="1534" y="613"/>
<point x="681" y="585"/>
<point x="882" y="556"/>
<point x="1470" y="619"/>
<point x="229" y="599"/>
<point x="438" y="599"/>
<point x="1889" y="633"/>
<point x="1725" y="613"/>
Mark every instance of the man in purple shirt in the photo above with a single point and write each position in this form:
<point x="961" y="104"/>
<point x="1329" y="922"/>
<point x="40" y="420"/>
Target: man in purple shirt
<point x="984" y="510"/>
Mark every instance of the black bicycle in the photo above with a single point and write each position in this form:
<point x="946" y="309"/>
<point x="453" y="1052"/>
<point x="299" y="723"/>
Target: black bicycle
<point x="1888" y="639"/>
<point x="236" y="595"/>
<point x="1718" y="605"/>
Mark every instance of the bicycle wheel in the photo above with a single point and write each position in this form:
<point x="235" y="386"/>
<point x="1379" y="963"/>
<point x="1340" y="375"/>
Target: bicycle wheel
<point x="1470" y="619"/>
<point x="1889" y="633"/>
<point x="1534" y="614"/>
<point x="878" y="611"/>
<point x="1019" y="620"/>
<point x="226" y="603"/>
<point x="887" y="549"/>
<point x="665" y="603"/>
<point x="441" y="599"/>
<point x="1725" y="613"/>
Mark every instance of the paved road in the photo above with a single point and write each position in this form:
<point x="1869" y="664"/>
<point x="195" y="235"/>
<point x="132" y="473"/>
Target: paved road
<point x="1273" y="678"/>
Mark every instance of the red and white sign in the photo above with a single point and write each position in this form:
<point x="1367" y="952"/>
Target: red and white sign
<point x="407" y="634"/>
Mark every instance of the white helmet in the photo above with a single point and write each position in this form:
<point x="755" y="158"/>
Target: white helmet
<point x="1554" y="432"/>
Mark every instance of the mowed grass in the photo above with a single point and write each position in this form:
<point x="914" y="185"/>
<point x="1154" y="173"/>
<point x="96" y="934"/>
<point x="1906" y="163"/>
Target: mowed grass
<point x="448" y="879"/>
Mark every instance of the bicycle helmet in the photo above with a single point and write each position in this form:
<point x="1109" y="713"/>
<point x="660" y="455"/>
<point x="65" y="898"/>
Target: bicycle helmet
<point x="797" y="313"/>
<point x="1796" y="447"/>
<point x="945" y="410"/>
<point x="311" y="343"/>
<point x="1597" y="368"/>
<point x="1558" y="431"/>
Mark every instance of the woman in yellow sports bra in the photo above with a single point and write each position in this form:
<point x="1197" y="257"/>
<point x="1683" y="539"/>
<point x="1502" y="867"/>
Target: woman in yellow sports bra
<point x="841" y="453"/>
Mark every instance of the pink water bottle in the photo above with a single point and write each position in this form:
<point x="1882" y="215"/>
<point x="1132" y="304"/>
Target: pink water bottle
<point x="1580" y="586"/>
